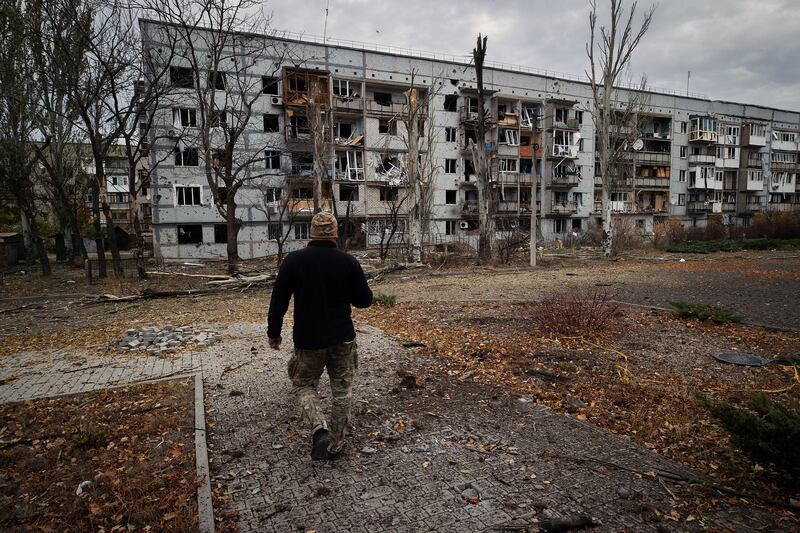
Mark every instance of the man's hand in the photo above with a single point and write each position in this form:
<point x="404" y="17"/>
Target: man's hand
<point x="275" y="344"/>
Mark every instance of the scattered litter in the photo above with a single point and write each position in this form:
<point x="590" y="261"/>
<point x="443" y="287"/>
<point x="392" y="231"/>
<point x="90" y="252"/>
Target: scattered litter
<point x="84" y="486"/>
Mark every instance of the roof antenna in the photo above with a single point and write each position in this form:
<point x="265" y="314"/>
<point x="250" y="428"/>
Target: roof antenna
<point x="325" y="29"/>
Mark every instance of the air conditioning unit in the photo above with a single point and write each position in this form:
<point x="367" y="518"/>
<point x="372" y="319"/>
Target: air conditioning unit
<point x="464" y="224"/>
<point x="272" y="210"/>
<point x="172" y="133"/>
<point x="277" y="100"/>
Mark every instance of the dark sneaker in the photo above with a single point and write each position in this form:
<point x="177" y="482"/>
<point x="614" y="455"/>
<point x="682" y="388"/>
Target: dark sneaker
<point x="319" y="448"/>
<point x="334" y="456"/>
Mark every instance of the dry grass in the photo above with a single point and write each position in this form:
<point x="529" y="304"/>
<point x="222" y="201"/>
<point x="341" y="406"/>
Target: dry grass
<point x="135" y="445"/>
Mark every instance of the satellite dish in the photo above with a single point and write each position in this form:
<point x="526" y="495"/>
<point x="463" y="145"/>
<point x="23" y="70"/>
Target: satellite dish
<point x="638" y="144"/>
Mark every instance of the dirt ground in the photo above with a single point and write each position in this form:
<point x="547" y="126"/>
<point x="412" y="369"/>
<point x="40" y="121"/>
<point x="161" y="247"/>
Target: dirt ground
<point x="130" y="450"/>
<point x="638" y="380"/>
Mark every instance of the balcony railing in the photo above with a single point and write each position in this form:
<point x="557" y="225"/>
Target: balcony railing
<point x="702" y="159"/>
<point x="782" y="206"/>
<point x="659" y="183"/>
<point x="662" y="158"/>
<point x="564" y="208"/>
<point x="394" y="108"/>
<point x="755" y="206"/>
<point x="469" y="207"/>
<point x="348" y="104"/>
<point x="617" y="206"/>
<point x="511" y="178"/>
<point x="568" y="180"/>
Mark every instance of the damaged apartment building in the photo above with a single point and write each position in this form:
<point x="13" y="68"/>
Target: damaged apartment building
<point x="690" y="158"/>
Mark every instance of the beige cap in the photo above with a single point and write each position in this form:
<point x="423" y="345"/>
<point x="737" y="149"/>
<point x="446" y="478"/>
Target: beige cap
<point x="324" y="226"/>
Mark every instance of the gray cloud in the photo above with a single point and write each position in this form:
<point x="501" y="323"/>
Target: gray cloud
<point x="739" y="50"/>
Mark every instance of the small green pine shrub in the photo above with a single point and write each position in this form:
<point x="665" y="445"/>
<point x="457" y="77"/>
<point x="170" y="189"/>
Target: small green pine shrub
<point x="386" y="300"/>
<point x="765" y="430"/>
<point x="703" y="312"/>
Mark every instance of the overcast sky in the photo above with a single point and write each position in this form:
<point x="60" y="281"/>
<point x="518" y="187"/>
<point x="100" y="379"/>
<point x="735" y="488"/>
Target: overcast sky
<point x="740" y="50"/>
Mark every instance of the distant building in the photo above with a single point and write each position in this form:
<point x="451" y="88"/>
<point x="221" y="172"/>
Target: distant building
<point x="697" y="157"/>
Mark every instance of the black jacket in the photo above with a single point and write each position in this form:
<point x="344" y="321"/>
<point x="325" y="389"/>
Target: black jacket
<point x="324" y="282"/>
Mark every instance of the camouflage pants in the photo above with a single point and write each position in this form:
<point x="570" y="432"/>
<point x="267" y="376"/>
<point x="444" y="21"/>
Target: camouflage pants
<point x="305" y="369"/>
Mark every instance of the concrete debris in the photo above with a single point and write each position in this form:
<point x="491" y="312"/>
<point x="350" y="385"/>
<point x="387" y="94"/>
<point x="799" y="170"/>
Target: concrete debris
<point x="165" y="339"/>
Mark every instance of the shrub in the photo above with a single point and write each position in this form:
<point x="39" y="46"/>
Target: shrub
<point x="703" y="312"/>
<point x="765" y="430"/>
<point x="575" y="312"/>
<point x="669" y="232"/>
<point x="386" y="300"/>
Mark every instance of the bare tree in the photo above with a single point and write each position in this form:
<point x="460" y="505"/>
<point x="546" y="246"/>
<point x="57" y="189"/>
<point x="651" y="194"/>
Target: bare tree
<point x="610" y="51"/>
<point x="279" y="209"/>
<point x="390" y="225"/>
<point x="224" y="45"/>
<point x="482" y="160"/>
<point x="19" y="118"/>
<point x="420" y="166"/>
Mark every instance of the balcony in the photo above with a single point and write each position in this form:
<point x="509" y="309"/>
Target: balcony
<point x="783" y="146"/>
<point x="509" y="207"/>
<point x="702" y="207"/>
<point x="651" y="183"/>
<point x="728" y="207"/>
<point x="469" y="208"/>
<point x="754" y="185"/>
<point x="755" y="207"/>
<point x="654" y="158"/>
<point x="782" y="166"/>
<point x="702" y="159"/>
<point x="617" y="206"/>
<point x="567" y="180"/>
<point x="561" y="151"/>
<point x="511" y="178"/>
<point x="508" y="120"/>
<point x="393" y="108"/>
<point x="783" y="207"/>
<point x="726" y="163"/>
<point x="564" y="208"/>
<point x="348" y="104"/>
<point x="754" y="162"/>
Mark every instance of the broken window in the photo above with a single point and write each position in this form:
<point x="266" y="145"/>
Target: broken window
<point x="451" y="102"/>
<point x="303" y="193"/>
<point x="344" y="88"/>
<point x="344" y="130"/>
<point x="511" y="137"/>
<point x="216" y="80"/>
<point x="562" y="113"/>
<point x="469" y="169"/>
<point x="470" y="135"/>
<point x="450" y="135"/>
<point x="269" y="85"/>
<point x="220" y="233"/>
<point x="508" y="165"/>
<point x="219" y="119"/>
<point x="384" y="99"/>
<point x="348" y="193"/>
<point x="272" y="194"/>
<point x="187" y="195"/>
<point x="301" y="231"/>
<point x="181" y="77"/>
<point x="272" y="159"/>
<point x="355" y="165"/>
<point x="187" y="157"/>
<point x="298" y="126"/>
<point x="560" y="225"/>
<point x="388" y="194"/>
<point x="387" y="126"/>
<point x="450" y="166"/>
<point x="274" y="231"/>
<point x="183" y="117"/>
<point x="529" y="117"/>
<point x="390" y="167"/>
<point x="298" y="84"/>
<point x="450" y="227"/>
<point x="190" y="233"/>
<point x="271" y="123"/>
<point x="450" y="196"/>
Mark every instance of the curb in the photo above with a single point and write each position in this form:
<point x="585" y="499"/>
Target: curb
<point x="205" y="508"/>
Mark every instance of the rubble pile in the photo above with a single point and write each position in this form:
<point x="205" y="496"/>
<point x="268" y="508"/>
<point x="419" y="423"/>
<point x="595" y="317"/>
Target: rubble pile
<point x="164" y="339"/>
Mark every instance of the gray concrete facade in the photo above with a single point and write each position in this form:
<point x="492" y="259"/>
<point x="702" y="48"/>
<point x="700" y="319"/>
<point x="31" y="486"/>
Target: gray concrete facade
<point x="700" y="157"/>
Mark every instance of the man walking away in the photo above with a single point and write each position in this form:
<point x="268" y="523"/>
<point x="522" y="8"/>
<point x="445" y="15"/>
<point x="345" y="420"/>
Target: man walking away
<point x="325" y="282"/>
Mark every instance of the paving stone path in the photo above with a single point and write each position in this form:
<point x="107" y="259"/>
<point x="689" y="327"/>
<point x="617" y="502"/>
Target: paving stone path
<point x="449" y="456"/>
